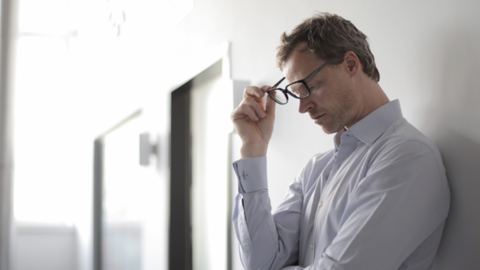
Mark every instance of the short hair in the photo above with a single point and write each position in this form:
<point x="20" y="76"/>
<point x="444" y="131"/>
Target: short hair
<point x="329" y="36"/>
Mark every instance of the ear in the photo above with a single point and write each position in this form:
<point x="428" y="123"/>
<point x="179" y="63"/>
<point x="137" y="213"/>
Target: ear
<point x="352" y="63"/>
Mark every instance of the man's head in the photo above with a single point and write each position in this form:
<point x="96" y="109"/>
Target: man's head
<point x="347" y="89"/>
<point x="329" y="36"/>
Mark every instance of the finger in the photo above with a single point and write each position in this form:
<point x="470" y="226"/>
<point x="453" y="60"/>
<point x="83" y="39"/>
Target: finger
<point x="253" y="91"/>
<point x="265" y="90"/>
<point x="250" y="112"/>
<point x="255" y="106"/>
<point x="249" y="107"/>
<point x="257" y="94"/>
<point x="271" y="105"/>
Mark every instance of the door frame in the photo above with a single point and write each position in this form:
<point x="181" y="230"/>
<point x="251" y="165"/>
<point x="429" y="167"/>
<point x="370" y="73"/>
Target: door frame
<point x="98" y="166"/>
<point x="180" y="231"/>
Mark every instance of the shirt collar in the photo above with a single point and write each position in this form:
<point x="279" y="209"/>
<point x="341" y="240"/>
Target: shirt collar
<point x="371" y="127"/>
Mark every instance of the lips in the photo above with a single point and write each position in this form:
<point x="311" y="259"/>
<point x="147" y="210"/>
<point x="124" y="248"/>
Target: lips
<point x="318" y="118"/>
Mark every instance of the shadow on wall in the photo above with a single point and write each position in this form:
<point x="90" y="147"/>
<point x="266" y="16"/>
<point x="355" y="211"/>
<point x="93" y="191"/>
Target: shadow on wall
<point x="460" y="247"/>
<point x="454" y="125"/>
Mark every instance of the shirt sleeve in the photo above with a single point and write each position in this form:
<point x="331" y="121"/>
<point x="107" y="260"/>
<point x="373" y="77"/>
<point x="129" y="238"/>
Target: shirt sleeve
<point x="266" y="241"/>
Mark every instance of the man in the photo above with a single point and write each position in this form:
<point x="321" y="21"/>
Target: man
<point x="378" y="200"/>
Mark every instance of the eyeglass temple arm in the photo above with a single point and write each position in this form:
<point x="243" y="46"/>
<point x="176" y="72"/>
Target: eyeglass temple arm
<point x="318" y="70"/>
<point x="278" y="83"/>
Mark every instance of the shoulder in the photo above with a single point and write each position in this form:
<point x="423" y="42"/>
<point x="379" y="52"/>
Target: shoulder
<point x="403" y="142"/>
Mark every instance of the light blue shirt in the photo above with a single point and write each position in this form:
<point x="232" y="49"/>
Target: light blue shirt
<point x="378" y="201"/>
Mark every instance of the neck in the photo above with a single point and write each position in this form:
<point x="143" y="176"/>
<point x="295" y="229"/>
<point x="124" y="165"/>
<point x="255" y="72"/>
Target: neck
<point x="370" y="97"/>
<point x="339" y="134"/>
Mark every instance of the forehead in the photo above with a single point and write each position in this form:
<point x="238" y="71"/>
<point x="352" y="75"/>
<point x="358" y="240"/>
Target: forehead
<point x="300" y="64"/>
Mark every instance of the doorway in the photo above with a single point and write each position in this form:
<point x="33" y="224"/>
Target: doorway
<point x="199" y="171"/>
<point x="129" y="212"/>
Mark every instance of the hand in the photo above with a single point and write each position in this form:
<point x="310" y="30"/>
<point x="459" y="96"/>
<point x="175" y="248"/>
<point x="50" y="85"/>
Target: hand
<point x="254" y="122"/>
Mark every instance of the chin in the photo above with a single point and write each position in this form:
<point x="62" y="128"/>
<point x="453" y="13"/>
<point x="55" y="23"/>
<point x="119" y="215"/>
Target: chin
<point x="328" y="130"/>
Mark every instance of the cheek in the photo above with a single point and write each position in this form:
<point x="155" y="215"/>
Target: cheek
<point x="326" y="95"/>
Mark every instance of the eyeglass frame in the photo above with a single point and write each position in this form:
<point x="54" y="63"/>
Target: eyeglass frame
<point x="304" y="81"/>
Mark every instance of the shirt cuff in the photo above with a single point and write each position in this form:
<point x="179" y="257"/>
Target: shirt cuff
<point x="251" y="174"/>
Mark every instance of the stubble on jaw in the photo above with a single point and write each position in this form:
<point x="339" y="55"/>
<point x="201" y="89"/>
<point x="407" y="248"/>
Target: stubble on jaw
<point x="342" y="113"/>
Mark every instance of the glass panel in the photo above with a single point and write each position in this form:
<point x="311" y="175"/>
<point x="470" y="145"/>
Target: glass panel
<point x="133" y="208"/>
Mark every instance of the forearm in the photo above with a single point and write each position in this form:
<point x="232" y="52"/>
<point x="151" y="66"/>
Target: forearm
<point x="252" y="217"/>
<point x="266" y="241"/>
<point x="254" y="232"/>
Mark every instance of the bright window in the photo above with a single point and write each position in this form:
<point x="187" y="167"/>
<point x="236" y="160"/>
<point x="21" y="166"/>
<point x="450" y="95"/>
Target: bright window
<point x="43" y="188"/>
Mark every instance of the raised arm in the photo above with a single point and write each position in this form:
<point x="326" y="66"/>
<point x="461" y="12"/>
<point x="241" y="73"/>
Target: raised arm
<point x="266" y="241"/>
<point x="254" y="121"/>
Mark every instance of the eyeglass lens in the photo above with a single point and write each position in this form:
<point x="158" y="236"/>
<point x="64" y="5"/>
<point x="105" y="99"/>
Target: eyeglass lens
<point x="299" y="89"/>
<point x="278" y="96"/>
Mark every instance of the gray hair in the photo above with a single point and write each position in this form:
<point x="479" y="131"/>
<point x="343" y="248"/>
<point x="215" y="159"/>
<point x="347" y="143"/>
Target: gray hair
<point x="329" y="36"/>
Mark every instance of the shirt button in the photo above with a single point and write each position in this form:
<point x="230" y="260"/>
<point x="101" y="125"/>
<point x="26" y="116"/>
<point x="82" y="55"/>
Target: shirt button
<point x="320" y="204"/>
<point x="311" y="246"/>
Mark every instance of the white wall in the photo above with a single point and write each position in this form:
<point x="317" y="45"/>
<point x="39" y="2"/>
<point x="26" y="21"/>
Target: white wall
<point x="426" y="51"/>
<point x="427" y="54"/>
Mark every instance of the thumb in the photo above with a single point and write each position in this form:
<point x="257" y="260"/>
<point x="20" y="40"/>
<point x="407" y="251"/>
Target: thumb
<point x="271" y="105"/>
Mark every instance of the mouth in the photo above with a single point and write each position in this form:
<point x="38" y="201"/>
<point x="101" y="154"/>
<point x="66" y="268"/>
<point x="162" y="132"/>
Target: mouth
<point x="318" y="119"/>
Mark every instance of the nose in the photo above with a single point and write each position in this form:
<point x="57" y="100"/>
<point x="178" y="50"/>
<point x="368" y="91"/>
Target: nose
<point x="304" y="105"/>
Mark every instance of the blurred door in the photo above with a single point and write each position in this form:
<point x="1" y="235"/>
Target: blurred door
<point x="211" y="105"/>
<point x="200" y="191"/>
<point x="128" y="213"/>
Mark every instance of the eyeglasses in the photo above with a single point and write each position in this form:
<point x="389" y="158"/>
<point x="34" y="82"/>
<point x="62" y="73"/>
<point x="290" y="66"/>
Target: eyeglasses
<point x="298" y="89"/>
